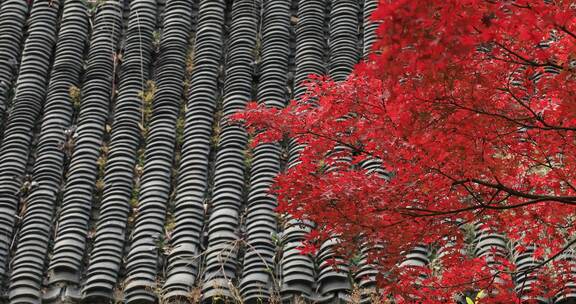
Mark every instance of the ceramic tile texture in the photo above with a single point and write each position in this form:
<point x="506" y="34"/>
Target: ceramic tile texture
<point x="121" y="178"/>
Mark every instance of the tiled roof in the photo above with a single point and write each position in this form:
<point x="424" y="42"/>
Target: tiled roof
<point x="121" y="180"/>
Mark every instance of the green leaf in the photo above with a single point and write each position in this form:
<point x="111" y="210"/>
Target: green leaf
<point x="469" y="301"/>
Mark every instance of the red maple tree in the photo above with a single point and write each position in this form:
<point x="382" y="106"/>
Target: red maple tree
<point x="470" y="106"/>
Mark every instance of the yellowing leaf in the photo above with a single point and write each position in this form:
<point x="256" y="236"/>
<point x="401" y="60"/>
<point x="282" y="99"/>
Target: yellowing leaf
<point x="481" y="294"/>
<point x="469" y="301"/>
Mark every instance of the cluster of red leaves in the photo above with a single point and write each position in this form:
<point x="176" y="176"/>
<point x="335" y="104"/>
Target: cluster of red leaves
<point x="470" y="105"/>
